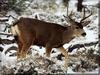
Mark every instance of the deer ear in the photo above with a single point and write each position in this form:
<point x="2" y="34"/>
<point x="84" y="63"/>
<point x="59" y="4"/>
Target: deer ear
<point x="85" y="23"/>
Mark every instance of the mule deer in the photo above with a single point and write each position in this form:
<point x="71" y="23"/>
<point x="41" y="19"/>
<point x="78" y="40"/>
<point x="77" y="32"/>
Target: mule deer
<point x="28" y="31"/>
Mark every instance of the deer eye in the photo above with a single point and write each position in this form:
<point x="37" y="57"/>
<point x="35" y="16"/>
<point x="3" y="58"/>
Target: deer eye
<point x="77" y="27"/>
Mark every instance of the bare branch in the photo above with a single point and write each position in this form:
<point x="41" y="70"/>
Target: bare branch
<point x="12" y="17"/>
<point x="11" y="48"/>
<point x="86" y="16"/>
<point x="3" y="20"/>
<point x="7" y="41"/>
<point x="6" y="34"/>
<point x="72" y="47"/>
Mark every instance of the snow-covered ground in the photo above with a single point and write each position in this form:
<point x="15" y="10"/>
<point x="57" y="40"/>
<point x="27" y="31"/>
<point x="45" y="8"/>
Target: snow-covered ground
<point x="53" y="12"/>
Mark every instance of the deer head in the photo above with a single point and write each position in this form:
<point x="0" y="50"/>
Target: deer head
<point x="77" y="27"/>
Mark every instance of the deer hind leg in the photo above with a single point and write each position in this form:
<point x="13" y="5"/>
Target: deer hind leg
<point x="65" y="53"/>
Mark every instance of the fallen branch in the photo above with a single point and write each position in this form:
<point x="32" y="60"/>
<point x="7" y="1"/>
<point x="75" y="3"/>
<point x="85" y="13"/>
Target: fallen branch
<point x="72" y="47"/>
<point x="7" y="41"/>
<point x="11" y="48"/>
<point x="6" y="34"/>
<point x="3" y="20"/>
<point x="1" y="49"/>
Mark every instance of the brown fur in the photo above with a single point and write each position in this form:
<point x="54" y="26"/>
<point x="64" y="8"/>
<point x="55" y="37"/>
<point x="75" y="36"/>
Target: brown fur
<point x="49" y="35"/>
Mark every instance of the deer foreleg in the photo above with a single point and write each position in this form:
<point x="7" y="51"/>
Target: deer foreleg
<point x="19" y="49"/>
<point x="25" y="49"/>
<point x="20" y="44"/>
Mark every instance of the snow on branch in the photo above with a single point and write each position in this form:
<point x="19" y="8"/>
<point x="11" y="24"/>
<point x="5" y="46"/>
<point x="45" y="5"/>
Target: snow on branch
<point x="6" y="41"/>
<point x="8" y="34"/>
<point x="3" y="20"/>
<point x="72" y="47"/>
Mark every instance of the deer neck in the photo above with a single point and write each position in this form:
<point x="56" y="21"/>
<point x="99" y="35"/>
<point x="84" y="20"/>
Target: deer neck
<point x="68" y="34"/>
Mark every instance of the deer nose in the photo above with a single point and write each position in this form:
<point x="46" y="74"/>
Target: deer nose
<point x="84" y="34"/>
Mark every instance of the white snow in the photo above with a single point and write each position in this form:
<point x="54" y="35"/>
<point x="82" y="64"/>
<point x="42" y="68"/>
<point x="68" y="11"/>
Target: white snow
<point x="92" y="35"/>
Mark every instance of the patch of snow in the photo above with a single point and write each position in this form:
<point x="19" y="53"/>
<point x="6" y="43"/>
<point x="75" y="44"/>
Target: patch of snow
<point x="58" y="2"/>
<point x="10" y="61"/>
<point x="11" y="19"/>
<point x="90" y="36"/>
<point x="90" y="2"/>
